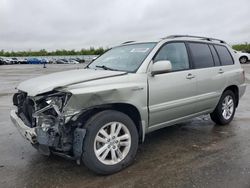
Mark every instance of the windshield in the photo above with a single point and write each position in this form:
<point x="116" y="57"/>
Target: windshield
<point x="126" y="58"/>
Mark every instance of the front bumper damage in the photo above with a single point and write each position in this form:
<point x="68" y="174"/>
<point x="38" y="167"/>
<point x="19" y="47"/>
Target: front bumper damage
<point x="27" y="132"/>
<point x="46" y="143"/>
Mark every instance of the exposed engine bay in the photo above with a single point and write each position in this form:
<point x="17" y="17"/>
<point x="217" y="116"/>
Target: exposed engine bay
<point x="54" y="132"/>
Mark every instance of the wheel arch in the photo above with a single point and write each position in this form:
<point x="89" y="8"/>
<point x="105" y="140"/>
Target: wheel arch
<point x="235" y="90"/>
<point x="125" y="108"/>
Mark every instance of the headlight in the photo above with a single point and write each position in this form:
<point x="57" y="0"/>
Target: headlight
<point x="54" y="101"/>
<point x="58" y="101"/>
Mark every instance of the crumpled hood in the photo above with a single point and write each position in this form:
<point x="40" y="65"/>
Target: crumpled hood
<point x="49" y="82"/>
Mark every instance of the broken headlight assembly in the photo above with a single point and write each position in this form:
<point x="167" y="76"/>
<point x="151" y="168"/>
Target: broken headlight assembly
<point x="50" y="121"/>
<point x="56" y="102"/>
<point x="52" y="104"/>
<point x="49" y="110"/>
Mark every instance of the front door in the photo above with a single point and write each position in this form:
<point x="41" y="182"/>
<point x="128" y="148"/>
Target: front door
<point x="172" y="95"/>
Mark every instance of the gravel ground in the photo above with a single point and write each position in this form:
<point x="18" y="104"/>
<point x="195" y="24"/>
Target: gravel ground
<point x="192" y="154"/>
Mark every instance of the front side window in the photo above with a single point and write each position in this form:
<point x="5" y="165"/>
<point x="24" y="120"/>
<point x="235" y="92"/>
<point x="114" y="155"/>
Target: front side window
<point x="201" y="55"/>
<point x="126" y="58"/>
<point x="224" y="54"/>
<point x="176" y="53"/>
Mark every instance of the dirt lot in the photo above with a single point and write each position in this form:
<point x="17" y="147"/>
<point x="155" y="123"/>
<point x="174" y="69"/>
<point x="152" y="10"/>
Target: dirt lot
<point x="191" y="154"/>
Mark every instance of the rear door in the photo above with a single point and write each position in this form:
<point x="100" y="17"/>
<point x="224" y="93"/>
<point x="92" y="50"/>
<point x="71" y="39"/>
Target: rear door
<point x="210" y="78"/>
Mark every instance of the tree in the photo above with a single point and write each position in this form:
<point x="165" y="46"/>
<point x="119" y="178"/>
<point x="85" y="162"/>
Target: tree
<point x="242" y="47"/>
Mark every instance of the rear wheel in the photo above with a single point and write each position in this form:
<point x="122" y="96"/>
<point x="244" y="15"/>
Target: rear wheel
<point x="225" y="109"/>
<point x="111" y="142"/>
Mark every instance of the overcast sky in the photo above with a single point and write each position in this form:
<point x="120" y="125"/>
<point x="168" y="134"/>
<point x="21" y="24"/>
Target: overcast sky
<point x="76" y="24"/>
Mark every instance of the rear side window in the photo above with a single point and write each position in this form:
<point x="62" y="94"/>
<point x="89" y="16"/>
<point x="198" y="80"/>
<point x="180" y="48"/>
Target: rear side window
<point x="215" y="56"/>
<point x="201" y="55"/>
<point x="176" y="53"/>
<point x="224" y="54"/>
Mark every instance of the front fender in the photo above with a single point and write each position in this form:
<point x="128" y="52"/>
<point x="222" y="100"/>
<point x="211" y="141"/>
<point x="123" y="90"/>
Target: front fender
<point x="129" y="89"/>
<point x="123" y="93"/>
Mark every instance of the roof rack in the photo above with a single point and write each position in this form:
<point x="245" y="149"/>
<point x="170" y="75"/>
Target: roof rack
<point x="191" y="36"/>
<point x="128" y="42"/>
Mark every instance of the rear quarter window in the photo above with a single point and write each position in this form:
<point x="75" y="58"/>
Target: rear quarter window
<point x="215" y="55"/>
<point x="224" y="55"/>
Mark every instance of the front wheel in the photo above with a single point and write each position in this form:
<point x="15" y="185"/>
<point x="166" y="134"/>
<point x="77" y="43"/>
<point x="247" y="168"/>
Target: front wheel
<point x="225" y="109"/>
<point x="111" y="142"/>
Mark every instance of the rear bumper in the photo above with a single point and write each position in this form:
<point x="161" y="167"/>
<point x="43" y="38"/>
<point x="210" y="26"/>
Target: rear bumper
<point x="27" y="132"/>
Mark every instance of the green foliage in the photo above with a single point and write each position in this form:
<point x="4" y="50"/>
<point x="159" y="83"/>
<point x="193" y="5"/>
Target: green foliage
<point x="43" y="52"/>
<point x="90" y="51"/>
<point x="242" y="47"/>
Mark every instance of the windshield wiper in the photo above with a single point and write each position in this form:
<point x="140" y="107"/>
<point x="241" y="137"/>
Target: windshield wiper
<point x="105" y="67"/>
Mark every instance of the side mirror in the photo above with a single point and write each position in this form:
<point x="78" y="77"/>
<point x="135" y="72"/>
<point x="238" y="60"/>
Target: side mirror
<point x="160" y="67"/>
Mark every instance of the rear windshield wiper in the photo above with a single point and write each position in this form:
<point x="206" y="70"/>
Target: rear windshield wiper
<point x="105" y="67"/>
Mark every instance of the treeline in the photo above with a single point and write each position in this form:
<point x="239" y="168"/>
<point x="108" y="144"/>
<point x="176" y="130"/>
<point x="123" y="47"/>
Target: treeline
<point x="90" y="51"/>
<point x="242" y="47"/>
<point x="43" y="52"/>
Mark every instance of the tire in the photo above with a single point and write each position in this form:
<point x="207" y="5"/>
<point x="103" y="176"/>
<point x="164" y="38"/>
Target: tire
<point x="243" y="60"/>
<point x="124" y="150"/>
<point x="224" y="117"/>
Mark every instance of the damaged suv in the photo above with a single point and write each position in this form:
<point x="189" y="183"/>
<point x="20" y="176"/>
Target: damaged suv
<point x="101" y="113"/>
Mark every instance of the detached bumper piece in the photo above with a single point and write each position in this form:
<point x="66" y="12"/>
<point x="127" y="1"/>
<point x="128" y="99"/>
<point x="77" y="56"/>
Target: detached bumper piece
<point x="79" y="135"/>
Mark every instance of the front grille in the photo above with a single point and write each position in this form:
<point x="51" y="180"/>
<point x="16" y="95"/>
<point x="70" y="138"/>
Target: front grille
<point x="26" y="107"/>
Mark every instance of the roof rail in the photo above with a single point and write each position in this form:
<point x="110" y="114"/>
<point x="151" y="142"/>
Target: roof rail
<point x="191" y="36"/>
<point x="128" y="42"/>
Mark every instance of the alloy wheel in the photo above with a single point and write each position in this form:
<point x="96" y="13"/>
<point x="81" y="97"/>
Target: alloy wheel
<point x="112" y="143"/>
<point x="227" y="107"/>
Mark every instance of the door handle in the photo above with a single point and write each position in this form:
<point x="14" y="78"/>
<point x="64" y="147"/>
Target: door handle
<point x="190" y="76"/>
<point x="221" y="71"/>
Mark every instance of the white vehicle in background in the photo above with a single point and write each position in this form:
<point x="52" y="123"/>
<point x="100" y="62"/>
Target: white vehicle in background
<point x="243" y="57"/>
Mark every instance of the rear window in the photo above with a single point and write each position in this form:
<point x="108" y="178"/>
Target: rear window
<point x="201" y="55"/>
<point x="224" y="54"/>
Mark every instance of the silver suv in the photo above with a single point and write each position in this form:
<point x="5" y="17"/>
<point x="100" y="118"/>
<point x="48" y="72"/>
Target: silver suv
<point x="100" y="114"/>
